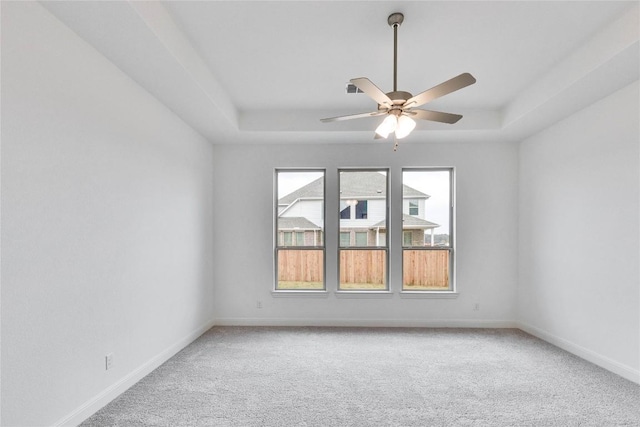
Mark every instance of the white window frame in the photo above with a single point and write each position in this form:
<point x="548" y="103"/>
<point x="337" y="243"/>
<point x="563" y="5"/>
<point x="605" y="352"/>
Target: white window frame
<point x="343" y="291"/>
<point x="278" y="246"/>
<point x="451" y="290"/>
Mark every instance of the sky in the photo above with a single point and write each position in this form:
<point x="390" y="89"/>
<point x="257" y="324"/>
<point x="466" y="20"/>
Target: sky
<point x="433" y="183"/>
<point x="290" y="181"/>
<point x="436" y="185"/>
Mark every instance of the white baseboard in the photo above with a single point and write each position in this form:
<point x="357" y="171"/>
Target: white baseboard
<point x="584" y="353"/>
<point x="93" y="405"/>
<point x="372" y="323"/>
<point x="98" y="402"/>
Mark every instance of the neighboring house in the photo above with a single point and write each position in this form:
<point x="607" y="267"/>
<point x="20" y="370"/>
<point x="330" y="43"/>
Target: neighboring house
<point x="301" y="216"/>
<point x="298" y="231"/>
<point x="362" y="213"/>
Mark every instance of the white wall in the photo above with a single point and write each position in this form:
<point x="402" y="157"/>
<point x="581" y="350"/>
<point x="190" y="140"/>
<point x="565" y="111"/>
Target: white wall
<point x="486" y="235"/>
<point x="106" y="225"/>
<point x="579" y="189"/>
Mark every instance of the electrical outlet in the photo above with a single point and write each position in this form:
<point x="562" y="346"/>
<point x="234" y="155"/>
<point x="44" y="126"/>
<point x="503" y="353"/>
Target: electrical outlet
<point x="476" y="307"/>
<point x="108" y="361"/>
<point x="259" y="304"/>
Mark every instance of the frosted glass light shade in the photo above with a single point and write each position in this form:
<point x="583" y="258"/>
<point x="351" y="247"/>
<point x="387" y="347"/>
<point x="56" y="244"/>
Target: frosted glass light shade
<point x="387" y="126"/>
<point x="405" y="126"/>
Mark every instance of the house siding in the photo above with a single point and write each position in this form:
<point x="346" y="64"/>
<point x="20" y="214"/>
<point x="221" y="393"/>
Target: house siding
<point x="376" y="212"/>
<point x="309" y="209"/>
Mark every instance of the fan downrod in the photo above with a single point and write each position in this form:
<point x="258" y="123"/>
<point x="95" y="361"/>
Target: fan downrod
<point x="395" y="20"/>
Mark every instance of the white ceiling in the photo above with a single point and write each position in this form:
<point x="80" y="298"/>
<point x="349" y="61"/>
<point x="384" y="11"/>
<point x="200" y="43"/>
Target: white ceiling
<point x="267" y="71"/>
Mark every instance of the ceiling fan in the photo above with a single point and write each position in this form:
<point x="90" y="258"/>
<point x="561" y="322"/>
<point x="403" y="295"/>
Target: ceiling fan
<point x="399" y="106"/>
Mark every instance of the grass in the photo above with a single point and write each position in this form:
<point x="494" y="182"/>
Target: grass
<point x="289" y="285"/>
<point x="296" y="285"/>
<point x="425" y="288"/>
<point x="367" y="286"/>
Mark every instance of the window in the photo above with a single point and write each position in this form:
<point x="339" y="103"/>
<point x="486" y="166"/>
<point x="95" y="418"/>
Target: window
<point x="407" y="238"/>
<point x="345" y="239"/>
<point x="287" y="239"/>
<point x="363" y="264"/>
<point x="361" y="238"/>
<point x="345" y="211"/>
<point x="413" y="208"/>
<point x="299" y="228"/>
<point x="427" y="254"/>
<point x="361" y="209"/>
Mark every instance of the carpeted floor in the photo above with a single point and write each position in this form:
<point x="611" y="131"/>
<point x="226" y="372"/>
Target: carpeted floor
<point x="246" y="376"/>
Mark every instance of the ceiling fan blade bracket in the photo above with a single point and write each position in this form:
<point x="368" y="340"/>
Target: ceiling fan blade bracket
<point x="408" y="105"/>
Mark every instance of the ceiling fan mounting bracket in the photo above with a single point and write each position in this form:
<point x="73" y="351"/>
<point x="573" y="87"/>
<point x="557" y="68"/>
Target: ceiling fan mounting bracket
<point x="395" y="19"/>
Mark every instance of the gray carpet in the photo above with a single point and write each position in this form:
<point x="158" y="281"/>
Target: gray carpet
<point x="245" y="376"/>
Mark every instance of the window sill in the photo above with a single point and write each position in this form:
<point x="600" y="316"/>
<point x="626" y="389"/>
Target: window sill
<point x="363" y="294"/>
<point x="428" y="294"/>
<point x="302" y="294"/>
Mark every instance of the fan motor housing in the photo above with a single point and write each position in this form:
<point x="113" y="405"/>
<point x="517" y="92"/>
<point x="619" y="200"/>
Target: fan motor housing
<point x="398" y="97"/>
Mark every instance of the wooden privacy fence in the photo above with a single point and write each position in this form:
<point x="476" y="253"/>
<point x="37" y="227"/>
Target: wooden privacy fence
<point x="300" y="265"/>
<point x="421" y="268"/>
<point x="425" y="268"/>
<point x="363" y="266"/>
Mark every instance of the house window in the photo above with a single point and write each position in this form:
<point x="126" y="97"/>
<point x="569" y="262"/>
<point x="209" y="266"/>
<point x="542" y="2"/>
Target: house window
<point x="299" y="219"/>
<point x="361" y="238"/>
<point x="413" y="207"/>
<point x="407" y="238"/>
<point x="361" y="209"/>
<point x="345" y="211"/>
<point x="363" y="265"/>
<point x="428" y="266"/>
<point x="345" y="239"/>
<point x="287" y="239"/>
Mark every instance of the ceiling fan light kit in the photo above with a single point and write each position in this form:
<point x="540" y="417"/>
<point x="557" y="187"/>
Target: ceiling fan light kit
<point x="399" y="106"/>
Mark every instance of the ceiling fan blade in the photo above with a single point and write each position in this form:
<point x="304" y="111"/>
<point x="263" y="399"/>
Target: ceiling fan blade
<point x="434" y="116"/>
<point x="365" y="85"/>
<point x="354" y="116"/>
<point x="456" y="83"/>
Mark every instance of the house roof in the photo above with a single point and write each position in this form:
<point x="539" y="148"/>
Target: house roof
<point x="296" y="223"/>
<point x="363" y="184"/>
<point x="315" y="189"/>
<point x="411" y="222"/>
